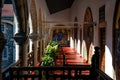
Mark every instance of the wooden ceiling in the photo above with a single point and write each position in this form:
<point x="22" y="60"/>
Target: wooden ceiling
<point x="58" y="5"/>
<point x="8" y="1"/>
<point x="53" y="5"/>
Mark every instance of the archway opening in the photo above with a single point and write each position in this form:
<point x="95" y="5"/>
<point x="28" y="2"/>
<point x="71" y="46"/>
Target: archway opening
<point x="88" y="32"/>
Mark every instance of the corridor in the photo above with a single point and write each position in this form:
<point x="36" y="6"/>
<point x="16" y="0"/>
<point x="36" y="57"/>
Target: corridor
<point x="79" y="26"/>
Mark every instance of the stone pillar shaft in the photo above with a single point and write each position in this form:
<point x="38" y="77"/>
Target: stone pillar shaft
<point x="20" y="37"/>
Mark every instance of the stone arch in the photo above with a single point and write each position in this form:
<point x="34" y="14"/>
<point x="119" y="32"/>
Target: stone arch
<point x="88" y="31"/>
<point x="7" y="21"/>
<point x="88" y="15"/>
<point x="33" y="31"/>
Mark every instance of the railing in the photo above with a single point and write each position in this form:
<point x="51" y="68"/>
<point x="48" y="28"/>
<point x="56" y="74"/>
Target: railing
<point x="5" y="72"/>
<point x="96" y="73"/>
<point x="65" y="71"/>
<point x="53" y="73"/>
<point x="100" y="75"/>
<point x="49" y="73"/>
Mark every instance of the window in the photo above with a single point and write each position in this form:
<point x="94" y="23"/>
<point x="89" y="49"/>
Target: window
<point x="2" y="28"/>
<point x="5" y="53"/>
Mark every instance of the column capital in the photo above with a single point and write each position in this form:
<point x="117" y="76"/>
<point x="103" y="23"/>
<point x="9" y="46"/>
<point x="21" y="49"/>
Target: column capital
<point x="33" y="36"/>
<point x="20" y="38"/>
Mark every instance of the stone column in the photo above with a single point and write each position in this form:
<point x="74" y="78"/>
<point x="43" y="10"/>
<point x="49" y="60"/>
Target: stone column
<point x="35" y="53"/>
<point x="20" y="37"/>
<point x="2" y="42"/>
<point x="33" y="36"/>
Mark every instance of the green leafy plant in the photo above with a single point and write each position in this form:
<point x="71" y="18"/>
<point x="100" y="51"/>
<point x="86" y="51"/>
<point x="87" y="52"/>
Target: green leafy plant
<point x="51" y="52"/>
<point x="47" y="61"/>
<point x="53" y="43"/>
<point x="51" y="49"/>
